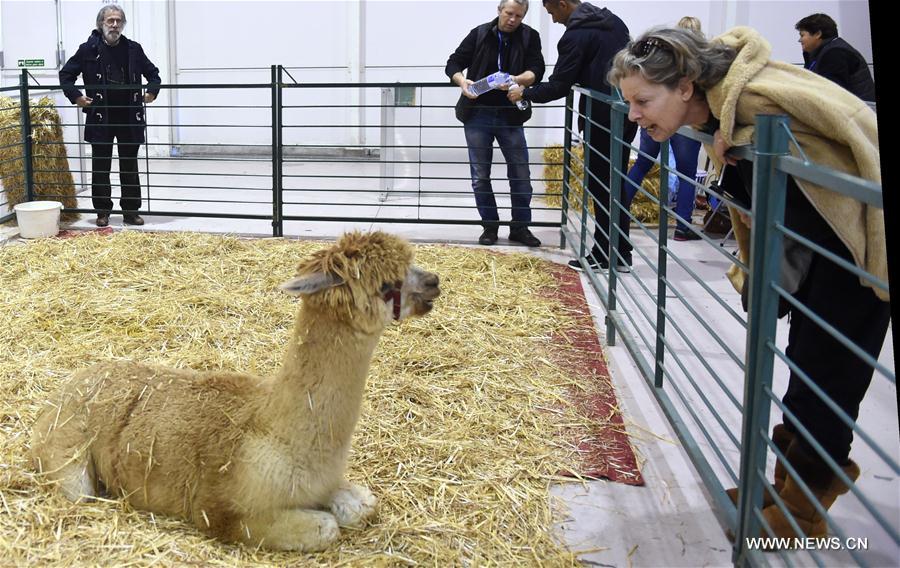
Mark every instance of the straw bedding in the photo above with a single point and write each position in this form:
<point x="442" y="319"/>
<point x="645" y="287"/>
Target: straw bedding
<point x="459" y="436"/>
<point x="52" y="178"/>
<point x="642" y="207"/>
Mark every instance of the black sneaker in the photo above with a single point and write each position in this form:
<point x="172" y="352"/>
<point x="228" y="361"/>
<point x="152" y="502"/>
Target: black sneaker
<point x="686" y="235"/>
<point x="624" y="264"/>
<point x="622" y="268"/>
<point x="524" y="236"/>
<point x="488" y="237"/>
<point x="593" y="265"/>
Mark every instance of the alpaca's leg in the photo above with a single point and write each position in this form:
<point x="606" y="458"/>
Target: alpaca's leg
<point x="353" y="504"/>
<point x="76" y="480"/>
<point x="290" y="529"/>
<point x="60" y="448"/>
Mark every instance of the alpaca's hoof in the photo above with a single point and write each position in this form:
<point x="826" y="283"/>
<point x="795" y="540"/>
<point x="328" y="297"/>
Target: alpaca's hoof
<point x="352" y="505"/>
<point x="328" y="531"/>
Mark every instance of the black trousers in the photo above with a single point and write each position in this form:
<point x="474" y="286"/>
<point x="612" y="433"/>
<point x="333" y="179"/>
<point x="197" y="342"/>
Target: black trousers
<point x="836" y="296"/>
<point x="839" y="298"/>
<point x="101" y="164"/>
<point x="599" y="183"/>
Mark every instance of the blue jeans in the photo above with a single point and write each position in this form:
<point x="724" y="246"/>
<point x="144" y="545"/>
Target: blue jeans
<point x="686" y="152"/>
<point x="483" y="127"/>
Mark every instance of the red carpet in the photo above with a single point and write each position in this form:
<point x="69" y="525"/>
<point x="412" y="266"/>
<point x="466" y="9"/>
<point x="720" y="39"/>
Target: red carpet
<point x="69" y="233"/>
<point x="605" y="449"/>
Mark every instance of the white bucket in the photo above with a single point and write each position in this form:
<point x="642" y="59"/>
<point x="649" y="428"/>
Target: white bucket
<point x="38" y="219"/>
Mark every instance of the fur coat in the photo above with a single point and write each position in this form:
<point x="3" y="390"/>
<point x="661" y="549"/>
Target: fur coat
<point x="835" y="129"/>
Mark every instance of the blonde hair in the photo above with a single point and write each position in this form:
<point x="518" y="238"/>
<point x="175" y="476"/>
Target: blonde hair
<point x="690" y="23"/>
<point x="667" y="55"/>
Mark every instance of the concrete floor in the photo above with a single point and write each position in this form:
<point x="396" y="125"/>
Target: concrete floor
<point x="668" y="522"/>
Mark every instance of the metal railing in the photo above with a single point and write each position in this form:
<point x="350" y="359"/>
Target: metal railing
<point x="710" y="367"/>
<point x="254" y="159"/>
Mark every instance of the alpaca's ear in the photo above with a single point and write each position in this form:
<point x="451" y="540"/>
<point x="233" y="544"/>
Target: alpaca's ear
<point x="310" y="284"/>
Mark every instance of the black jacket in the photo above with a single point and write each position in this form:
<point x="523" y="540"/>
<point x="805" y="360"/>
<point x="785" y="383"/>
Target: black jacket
<point x="87" y="63"/>
<point x="478" y="53"/>
<point x="839" y="61"/>
<point x="592" y="38"/>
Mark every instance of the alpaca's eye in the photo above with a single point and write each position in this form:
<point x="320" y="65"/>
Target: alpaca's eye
<point x="386" y="287"/>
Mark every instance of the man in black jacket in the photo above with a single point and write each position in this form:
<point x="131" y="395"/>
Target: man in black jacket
<point x="825" y="54"/>
<point x="592" y="38"/>
<point x="108" y="58"/>
<point x="503" y="44"/>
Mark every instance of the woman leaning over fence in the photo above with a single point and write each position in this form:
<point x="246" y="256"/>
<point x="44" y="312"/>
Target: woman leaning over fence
<point x="673" y="78"/>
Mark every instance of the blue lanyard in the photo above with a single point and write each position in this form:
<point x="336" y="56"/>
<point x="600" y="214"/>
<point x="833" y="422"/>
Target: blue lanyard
<point x="499" y="49"/>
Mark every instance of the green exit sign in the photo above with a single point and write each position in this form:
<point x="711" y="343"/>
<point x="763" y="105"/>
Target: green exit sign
<point x="31" y="63"/>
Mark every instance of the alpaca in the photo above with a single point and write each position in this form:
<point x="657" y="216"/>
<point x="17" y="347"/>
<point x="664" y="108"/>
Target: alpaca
<point x="258" y="460"/>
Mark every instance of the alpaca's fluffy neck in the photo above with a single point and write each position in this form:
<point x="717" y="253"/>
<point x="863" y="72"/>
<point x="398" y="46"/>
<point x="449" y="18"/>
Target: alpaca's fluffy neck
<point x="319" y="390"/>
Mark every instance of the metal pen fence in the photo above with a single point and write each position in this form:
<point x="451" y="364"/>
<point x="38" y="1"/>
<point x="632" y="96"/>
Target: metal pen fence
<point x="286" y="152"/>
<point x="711" y="367"/>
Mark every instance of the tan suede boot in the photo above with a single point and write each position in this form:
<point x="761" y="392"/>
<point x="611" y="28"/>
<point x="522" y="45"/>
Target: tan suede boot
<point x="824" y="485"/>
<point x="782" y="438"/>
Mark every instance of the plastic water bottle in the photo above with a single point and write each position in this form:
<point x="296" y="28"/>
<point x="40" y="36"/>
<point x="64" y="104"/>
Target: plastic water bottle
<point x="489" y="83"/>
<point x="495" y="81"/>
<point x="523" y="104"/>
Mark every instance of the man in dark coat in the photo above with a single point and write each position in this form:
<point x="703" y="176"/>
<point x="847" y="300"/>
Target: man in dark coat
<point x="503" y="44"/>
<point x="825" y="54"/>
<point x="105" y="60"/>
<point x="592" y="38"/>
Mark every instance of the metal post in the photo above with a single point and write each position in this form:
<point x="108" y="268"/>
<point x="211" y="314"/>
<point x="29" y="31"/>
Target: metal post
<point x="585" y="192"/>
<point x="567" y="160"/>
<point x="388" y="142"/>
<point x="617" y="129"/>
<point x="661" y="259"/>
<point x="25" y="107"/>
<point x="765" y="267"/>
<point x="277" y="179"/>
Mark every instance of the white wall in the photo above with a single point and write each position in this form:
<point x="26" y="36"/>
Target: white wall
<point x="320" y="41"/>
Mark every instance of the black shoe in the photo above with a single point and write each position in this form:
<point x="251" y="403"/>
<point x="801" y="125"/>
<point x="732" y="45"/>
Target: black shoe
<point x="524" y="236"/>
<point x="488" y="237"/>
<point x="624" y="264"/>
<point x="102" y="219"/>
<point x="575" y="264"/>
<point x="622" y="268"/>
<point x="686" y="235"/>
<point x="134" y="220"/>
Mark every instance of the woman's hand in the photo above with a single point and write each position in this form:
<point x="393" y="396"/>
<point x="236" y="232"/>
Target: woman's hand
<point x="720" y="147"/>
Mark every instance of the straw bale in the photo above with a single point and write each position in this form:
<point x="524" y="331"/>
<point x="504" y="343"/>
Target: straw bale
<point x="460" y="435"/>
<point x="52" y="176"/>
<point x="642" y="207"/>
<point x="553" y="170"/>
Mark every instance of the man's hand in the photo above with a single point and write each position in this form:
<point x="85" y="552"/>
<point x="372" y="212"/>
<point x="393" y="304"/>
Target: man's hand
<point x="149" y="98"/>
<point x="463" y="83"/>
<point x="84" y="101"/>
<point x="510" y="84"/>
<point x="720" y="147"/>
<point x="465" y="89"/>
<point x="515" y="93"/>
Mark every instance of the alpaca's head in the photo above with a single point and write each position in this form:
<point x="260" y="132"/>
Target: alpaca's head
<point x="366" y="279"/>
